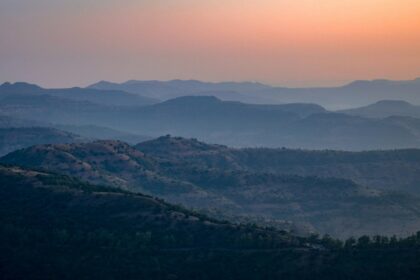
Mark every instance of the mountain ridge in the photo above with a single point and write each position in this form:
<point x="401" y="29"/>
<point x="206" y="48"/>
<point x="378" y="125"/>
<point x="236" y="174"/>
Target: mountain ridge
<point x="386" y="108"/>
<point x="102" y="97"/>
<point x="334" y="205"/>
<point x="335" y="97"/>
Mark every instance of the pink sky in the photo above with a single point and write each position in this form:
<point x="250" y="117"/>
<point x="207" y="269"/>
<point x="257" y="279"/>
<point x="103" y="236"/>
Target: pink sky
<point x="282" y="42"/>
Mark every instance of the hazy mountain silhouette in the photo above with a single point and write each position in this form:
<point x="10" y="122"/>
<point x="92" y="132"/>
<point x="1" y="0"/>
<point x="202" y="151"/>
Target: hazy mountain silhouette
<point x="386" y="108"/>
<point x="104" y="97"/>
<point x="295" y="126"/>
<point x="87" y="132"/>
<point x="9" y="121"/>
<point x="357" y="93"/>
<point x="225" y="122"/>
<point x="165" y="90"/>
<point x="12" y="139"/>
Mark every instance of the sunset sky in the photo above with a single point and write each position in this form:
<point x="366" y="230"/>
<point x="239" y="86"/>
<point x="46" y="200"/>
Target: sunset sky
<point x="58" y="43"/>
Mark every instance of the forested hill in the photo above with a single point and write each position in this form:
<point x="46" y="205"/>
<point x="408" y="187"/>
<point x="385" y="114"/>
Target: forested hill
<point x="331" y="205"/>
<point x="391" y="170"/>
<point x="56" y="227"/>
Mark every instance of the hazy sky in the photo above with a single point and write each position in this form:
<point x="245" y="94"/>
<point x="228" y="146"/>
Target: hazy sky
<point x="282" y="42"/>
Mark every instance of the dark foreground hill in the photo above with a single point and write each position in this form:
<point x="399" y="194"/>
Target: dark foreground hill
<point x="56" y="227"/>
<point x="224" y="184"/>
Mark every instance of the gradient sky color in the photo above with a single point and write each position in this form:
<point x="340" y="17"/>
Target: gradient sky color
<point x="58" y="43"/>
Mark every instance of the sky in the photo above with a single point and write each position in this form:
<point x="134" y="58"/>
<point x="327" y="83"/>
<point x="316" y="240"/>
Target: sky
<point x="60" y="43"/>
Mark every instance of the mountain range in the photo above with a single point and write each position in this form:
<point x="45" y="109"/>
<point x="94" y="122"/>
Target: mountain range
<point x="354" y="94"/>
<point x="213" y="120"/>
<point x="256" y="183"/>
<point x="16" y="138"/>
<point x="216" y="179"/>
<point x="59" y="227"/>
<point x="386" y="108"/>
<point x="103" y="97"/>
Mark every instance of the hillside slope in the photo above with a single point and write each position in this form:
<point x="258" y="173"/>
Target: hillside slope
<point x="386" y="108"/>
<point x="328" y="205"/>
<point x="354" y="94"/>
<point x="56" y="227"/>
<point x="103" y="97"/>
<point x="12" y="139"/>
<point x="393" y="170"/>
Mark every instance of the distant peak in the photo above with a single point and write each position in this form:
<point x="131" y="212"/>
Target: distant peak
<point x="393" y="103"/>
<point x="100" y="84"/>
<point x="359" y="83"/>
<point x="380" y="82"/>
<point x="20" y="86"/>
<point x="176" y="145"/>
<point x="193" y="99"/>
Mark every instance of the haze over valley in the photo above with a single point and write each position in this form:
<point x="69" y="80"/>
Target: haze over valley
<point x="237" y="140"/>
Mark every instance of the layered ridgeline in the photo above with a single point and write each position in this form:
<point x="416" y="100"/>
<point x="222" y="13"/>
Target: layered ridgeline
<point x="165" y="90"/>
<point x="276" y="185"/>
<point x="73" y="106"/>
<point x="393" y="170"/>
<point x="10" y="92"/>
<point x="12" y="139"/>
<point x="292" y="125"/>
<point x="16" y="131"/>
<point x="210" y="119"/>
<point x="357" y="93"/>
<point x="57" y="227"/>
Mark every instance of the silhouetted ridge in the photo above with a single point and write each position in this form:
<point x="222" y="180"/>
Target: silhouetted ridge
<point x="20" y="86"/>
<point x="268" y="183"/>
<point x="14" y="138"/>
<point x="192" y="100"/>
<point x="386" y="108"/>
<point x="392" y="103"/>
<point x="165" y="145"/>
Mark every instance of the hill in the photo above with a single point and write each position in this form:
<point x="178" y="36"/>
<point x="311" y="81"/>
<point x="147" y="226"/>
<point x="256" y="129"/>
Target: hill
<point x="386" y="108"/>
<point x="12" y="139"/>
<point x="91" y="132"/>
<point x="8" y="122"/>
<point x="53" y="226"/>
<point x="66" y="228"/>
<point x="354" y="94"/>
<point x="102" y="97"/>
<point x="291" y="125"/>
<point x="393" y="170"/>
<point x="103" y="133"/>
<point x="327" y="205"/>
<point x="165" y="90"/>
<point x="52" y="109"/>
<point x="212" y="120"/>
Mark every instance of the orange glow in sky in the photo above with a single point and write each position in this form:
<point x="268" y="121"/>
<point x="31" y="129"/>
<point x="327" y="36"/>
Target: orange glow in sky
<point x="284" y="42"/>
